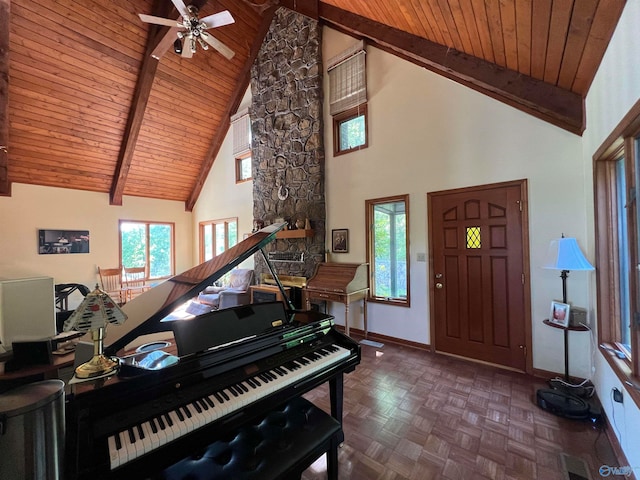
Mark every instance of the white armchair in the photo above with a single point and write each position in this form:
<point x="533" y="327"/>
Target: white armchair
<point x="234" y="292"/>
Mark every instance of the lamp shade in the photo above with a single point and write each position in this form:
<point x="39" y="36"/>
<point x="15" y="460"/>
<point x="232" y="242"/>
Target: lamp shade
<point x="565" y="254"/>
<point x="95" y="311"/>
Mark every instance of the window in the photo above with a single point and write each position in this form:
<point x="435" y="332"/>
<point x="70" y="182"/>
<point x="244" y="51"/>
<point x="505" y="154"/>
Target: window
<point x="348" y="99"/>
<point x="243" y="169"/>
<point x="149" y="245"/>
<point x="241" y="124"/>
<point x="350" y="130"/>
<point x="388" y="249"/>
<point x="216" y="236"/>
<point x="617" y="168"/>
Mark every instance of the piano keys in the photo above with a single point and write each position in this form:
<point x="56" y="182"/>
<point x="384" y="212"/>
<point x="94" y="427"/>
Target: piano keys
<point x="204" y="408"/>
<point x="232" y="365"/>
<point x="340" y="282"/>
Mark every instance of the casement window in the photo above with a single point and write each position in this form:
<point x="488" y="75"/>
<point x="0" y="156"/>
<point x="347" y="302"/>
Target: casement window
<point x="216" y="236"/>
<point x="616" y="172"/>
<point x="388" y="249"/>
<point x="350" y="130"/>
<point x="241" y="125"/>
<point x="148" y="244"/>
<point x="348" y="99"/>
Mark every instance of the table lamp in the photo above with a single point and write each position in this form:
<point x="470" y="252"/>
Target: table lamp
<point x="94" y="313"/>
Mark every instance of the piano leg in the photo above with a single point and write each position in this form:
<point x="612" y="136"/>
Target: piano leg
<point x="336" y="396"/>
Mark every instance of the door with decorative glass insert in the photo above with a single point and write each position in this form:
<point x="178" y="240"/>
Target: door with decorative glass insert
<point x="478" y="282"/>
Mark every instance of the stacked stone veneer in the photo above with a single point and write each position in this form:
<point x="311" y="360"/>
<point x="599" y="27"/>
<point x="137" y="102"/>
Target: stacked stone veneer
<point x="287" y="143"/>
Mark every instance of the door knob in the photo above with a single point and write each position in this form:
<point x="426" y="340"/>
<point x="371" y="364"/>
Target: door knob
<point x="438" y="285"/>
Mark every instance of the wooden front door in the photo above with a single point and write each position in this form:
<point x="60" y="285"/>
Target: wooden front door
<point x="479" y="270"/>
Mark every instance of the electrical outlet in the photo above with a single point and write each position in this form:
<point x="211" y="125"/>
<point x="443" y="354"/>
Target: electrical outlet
<point x="617" y="395"/>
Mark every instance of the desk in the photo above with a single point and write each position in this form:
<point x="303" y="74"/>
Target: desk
<point x="267" y="293"/>
<point x="340" y="297"/>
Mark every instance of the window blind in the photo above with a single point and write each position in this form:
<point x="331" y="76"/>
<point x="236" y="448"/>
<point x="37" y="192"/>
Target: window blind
<point x="347" y="79"/>
<point x="241" y="124"/>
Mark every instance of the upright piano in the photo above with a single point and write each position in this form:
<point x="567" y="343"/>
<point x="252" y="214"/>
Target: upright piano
<point x="340" y="282"/>
<point x="235" y="364"/>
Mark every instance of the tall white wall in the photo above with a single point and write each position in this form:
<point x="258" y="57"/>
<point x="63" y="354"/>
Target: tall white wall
<point x="426" y="134"/>
<point x="615" y="90"/>
<point x="221" y="197"/>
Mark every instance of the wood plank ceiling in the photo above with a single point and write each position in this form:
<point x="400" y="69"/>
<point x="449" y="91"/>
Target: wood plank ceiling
<point x="87" y="106"/>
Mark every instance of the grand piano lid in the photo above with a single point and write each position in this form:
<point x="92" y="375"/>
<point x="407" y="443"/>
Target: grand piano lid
<point x="148" y="309"/>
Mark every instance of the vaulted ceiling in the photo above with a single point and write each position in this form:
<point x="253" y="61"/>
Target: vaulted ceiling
<point x="92" y="98"/>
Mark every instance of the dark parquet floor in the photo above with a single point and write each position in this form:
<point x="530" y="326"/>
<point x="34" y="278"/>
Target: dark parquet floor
<point x="410" y="414"/>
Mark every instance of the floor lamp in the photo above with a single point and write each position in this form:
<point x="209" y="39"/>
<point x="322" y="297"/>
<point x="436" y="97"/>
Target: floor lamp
<point x="565" y="255"/>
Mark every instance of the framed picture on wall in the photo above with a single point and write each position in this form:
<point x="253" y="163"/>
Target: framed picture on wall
<point x="559" y="314"/>
<point x="340" y="240"/>
<point x="63" y="241"/>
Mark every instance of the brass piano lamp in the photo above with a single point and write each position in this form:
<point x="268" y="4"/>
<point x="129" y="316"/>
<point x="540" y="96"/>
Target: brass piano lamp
<point x="94" y="313"/>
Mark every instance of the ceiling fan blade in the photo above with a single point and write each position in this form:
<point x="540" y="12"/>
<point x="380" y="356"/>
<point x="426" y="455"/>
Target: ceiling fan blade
<point x="159" y="20"/>
<point x="186" y="51"/>
<point x="182" y="8"/>
<point x="217" y="19"/>
<point x="187" y="47"/>
<point x="218" y="45"/>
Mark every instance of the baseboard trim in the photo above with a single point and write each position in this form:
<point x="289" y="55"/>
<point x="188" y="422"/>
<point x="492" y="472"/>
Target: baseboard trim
<point x="386" y="339"/>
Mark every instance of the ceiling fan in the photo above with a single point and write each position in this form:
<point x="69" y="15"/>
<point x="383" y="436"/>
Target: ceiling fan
<point x="195" y="29"/>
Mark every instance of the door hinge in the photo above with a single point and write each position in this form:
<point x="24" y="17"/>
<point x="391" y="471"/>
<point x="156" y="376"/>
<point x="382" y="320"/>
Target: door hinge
<point x="519" y="202"/>
<point x="523" y="279"/>
<point x="524" y="350"/>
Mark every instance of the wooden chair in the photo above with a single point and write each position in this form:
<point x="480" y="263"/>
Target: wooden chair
<point x="135" y="282"/>
<point x="111" y="282"/>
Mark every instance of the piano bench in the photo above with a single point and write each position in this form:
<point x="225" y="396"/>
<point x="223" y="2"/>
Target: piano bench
<point x="279" y="445"/>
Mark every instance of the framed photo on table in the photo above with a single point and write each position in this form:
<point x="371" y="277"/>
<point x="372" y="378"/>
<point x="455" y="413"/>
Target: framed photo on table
<point x="340" y="240"/>
<point x="559" y="314"/>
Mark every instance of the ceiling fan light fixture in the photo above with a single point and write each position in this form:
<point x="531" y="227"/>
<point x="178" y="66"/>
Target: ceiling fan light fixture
<point x="195" y="29"/>
<point x="203" y="44"/>
<point x="177" y="46"/>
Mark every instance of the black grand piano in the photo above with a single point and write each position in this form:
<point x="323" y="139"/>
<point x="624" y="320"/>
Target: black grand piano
<point x="221" y="371"/>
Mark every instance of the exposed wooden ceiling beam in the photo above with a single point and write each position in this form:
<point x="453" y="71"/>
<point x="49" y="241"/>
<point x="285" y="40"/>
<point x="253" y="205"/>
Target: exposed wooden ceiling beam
<point x="553" y="104"/>
<point x="157" y="36"/>
<point x="5" y="185"/>
<point x="234" y="103"/>
<point x="308" y="8"/>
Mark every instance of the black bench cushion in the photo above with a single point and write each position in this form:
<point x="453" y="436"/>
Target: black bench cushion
<point x="283" y="443"/>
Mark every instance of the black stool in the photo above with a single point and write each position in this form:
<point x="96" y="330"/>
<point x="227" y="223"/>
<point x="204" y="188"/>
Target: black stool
<point x="279" y="445"/>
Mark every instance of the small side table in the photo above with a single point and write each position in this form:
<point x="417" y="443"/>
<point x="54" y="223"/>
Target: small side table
<point x="578" y="328"/>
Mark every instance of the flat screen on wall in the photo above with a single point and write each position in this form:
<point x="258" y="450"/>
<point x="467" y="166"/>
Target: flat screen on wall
<point x="63" y="241"/>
